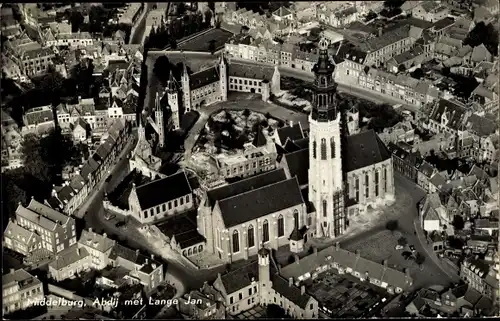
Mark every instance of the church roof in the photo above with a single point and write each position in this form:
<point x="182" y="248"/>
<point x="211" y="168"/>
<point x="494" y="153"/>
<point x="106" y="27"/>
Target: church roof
<point x="204" y="77"/>
<point x="163" y="190"/>
<point x="365" y="149"/>
<point x="245" y="185"/>
<point x="298" y="165"/>
<point x="260" y="202"/>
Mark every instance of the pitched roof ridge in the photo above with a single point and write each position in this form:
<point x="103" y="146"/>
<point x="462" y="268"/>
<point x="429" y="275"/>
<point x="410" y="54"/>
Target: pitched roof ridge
<point x="256" y="189"/>
<point x="156" y="180"/>
<point x="247" y="179"/>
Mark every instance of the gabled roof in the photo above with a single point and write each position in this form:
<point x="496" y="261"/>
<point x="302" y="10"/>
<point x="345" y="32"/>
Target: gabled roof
<point x="292" y="293"/>
<point x="69" y="257"/>
<point x="96" y="241"/>
<point x="245" y="185"/>
<point x="454" y="111"/>
<point x="163" y="190"/>
<point x="238" y="279"/>
<point x="259" y="139"/>
<point x="298" y="165"/>
<point x="365" y="149"/>
<point x="250" y="71"/>
<point x="204" y="78"/>
<point x="259" y="202"/>
<point x="290" y="132"/>
<point x="282" y="12"/>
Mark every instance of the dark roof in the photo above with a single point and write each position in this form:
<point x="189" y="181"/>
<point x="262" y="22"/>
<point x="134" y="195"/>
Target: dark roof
<point x="298" y="165"/>
<point x="238" y="279"/>
<point x="163" y="190"/>
<point x="291" y="147"/>
<point x="113" y="65"/>
<point x="245" y="185"/>
<point x="292" y="293"/>
<point x="259" y="202"/>
<point x="188" y="238"/>
<point x="302" y="143"/>
<point x="460" y="291"/>
<point x="259" y="139"/>
<point x="365" y="149"/>
<point x="443" y="23"/>
<point x="203" y="78"/>
<point x="455" y="113"/>
<point x="350" y="52"/>
<point x="292" y="132"/>
<point x="251" y="71"/>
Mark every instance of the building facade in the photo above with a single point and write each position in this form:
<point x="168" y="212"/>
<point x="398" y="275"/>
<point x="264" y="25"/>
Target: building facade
<point x="21" y="290"/>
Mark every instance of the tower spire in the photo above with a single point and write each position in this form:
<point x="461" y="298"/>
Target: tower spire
<point x="172" y="84"/>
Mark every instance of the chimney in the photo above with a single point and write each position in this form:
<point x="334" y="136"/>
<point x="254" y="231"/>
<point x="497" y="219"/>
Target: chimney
<point x="218" y="275"/>
<point x="296" y="258"/>
<point x="105" y="235"/>
<point x="136" y="252"/>
<point x="12" y="270"/>
<point x="79" y="99"/>
<point x="147" y="261"/>
<point x="152" y="256"/>
<point x="290" y="282"/>
<point x="384" y="263"/>
<point x="407" y="272"/>
<point x="315" y="251"/>
<point x="380" y="31"/>
<point x="78" y="251"/>
<point x="290" y="123"/>
<point x="90" y="229"/>
<point x="358" y="253"/>
<point x="337" y="246"/>
<point x="302" y="289"/>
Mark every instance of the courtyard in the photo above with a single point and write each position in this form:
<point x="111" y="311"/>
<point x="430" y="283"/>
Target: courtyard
<point x="345" y="296"/>
<point x="202" y="42"/>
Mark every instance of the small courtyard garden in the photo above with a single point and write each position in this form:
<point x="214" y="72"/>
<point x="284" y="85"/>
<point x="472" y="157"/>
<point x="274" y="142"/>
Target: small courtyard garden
<point x="229" y="130"/>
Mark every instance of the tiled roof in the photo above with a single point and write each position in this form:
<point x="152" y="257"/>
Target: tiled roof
<point x="245" y="185"/>
<point x="204" y="78"/>
<point x="365" y="149"/>
<point x="240" y="278"/>
<point x="188" y="238"/>
<point x="443" y="23"/>
<point x="290" y="132"/>
<point x="291" y="292"/>
<point x="47" y="212"/>
<point x="96" y="241"/>
<point x="282" y="12"/>
<point x="39" y="115"/>
<point x="408" y="55"/>
<point x="250" y="71"/>
<point x="163" y="190"/>
<point x="346" y="259"/>
<point x="134" y="256"/>
<point x="70" y="257"/>
<point x="21" y="277"/>
<point x="426" y="169"/>
<point x="14" y="231"/>
<point x="481" y="126"/>
<point x="388" y="38"/>
<point x="298" y="165"/>
<point x="259" y="202"/>
<point x="454" y="112"/>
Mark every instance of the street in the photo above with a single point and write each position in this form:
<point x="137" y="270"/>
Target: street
<point x="139" y="28"/>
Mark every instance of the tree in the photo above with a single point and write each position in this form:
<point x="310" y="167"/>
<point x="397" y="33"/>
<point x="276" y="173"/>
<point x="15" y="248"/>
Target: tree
<point x="181" y="9"/>
<point x="161" y="69"/>
<point x="392" y="225"/>
<point x="211" y="46"/>
<point x="402" y="241"/>
<point x="417" y="73"/>
<point x="32" y="157"/>
<point x="483" y="34"/>
<point x="208" y="17"/>
<point x="419" y="259"/>
<point x="393" y="4"/>
<point x="274" y="311"/>
<point x="371" y="15"/>
<point x="173" y="43"/>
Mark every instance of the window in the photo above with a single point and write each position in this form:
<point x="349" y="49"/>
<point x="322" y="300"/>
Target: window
<point x="296" y="218"/>
<point x="314" y="149"/>
<point x="169" y="205"/>
<point x="250" y="291"/>
<point x="240" y="296"/>
<point x="265" y="231"/>
<point x="385" y="179"/>
<point x="376" y="183"/>
<point x="187" y="198"/>
<point x="251" y="236"/>
<point x="324" y="208"/>
<point x="332" y="147"/>
<point x="323" y="149"/>
<point x="367" y="182"/>
<point x="175" y="203"/>
<point x="181" y="200"/>
<point x="356" y="189"/>
<point x="281" y="226"/>
<point x="236" y="242"/>
<point x="231" y="301"/>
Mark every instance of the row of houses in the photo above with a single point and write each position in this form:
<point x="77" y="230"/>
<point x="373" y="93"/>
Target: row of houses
<point x="68" y="197"/>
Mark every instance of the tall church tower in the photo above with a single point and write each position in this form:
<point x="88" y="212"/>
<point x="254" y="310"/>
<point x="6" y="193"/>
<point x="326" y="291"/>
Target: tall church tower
<point x="223" y="77"/>
<point x="325" y="170"/>
<point x="264" y="274"/>
<point x="186" y="88"/>
<point x="173" y="100"/>
<point x="160" y="121"/>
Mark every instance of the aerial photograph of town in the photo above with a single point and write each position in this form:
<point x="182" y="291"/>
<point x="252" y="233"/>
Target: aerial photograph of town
<point x="250" y="160"/>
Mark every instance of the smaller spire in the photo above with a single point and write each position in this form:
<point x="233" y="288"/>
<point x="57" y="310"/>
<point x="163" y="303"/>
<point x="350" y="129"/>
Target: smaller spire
<point x="172" y="84"/>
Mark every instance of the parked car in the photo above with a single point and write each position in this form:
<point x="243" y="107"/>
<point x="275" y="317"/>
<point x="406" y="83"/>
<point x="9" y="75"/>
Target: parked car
<point x="412" y="248"/>
<point x="399" y="247"/>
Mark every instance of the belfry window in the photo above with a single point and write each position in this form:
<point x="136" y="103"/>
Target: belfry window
<point x="325" y="205"/>
<point x="323" y="149"/>
<point x="314" y="149"/>
<point x="332" y="147"/>
<point x="236" y="242"/>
